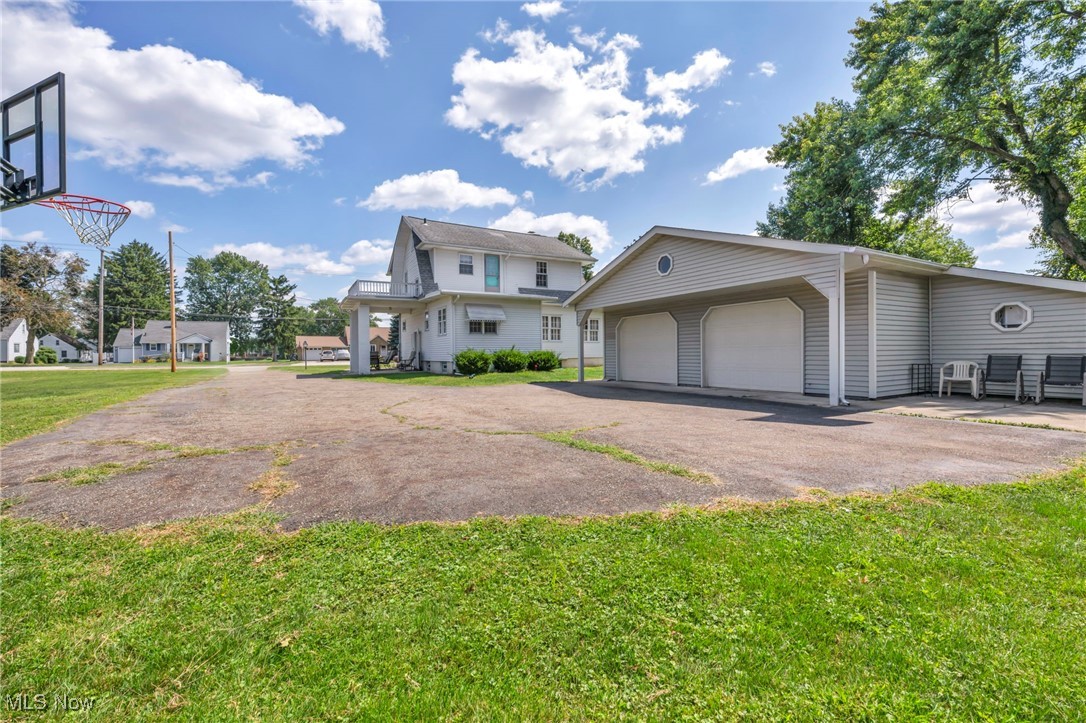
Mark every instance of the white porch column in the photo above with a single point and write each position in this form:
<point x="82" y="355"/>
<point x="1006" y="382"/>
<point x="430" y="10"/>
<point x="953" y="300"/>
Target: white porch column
<point x="582" y="322"/>
<point x="360" y="353"/>
<point x="834" y="299"/>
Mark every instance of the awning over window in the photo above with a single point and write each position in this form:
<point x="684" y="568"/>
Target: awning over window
<point x="485" y="312"/>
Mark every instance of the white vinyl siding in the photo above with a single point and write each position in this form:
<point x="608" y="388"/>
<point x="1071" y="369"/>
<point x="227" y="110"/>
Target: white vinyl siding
<point x="901" y="313"/>
<point x="962" y="329"/>
<point x="856" y="340"/>
<point x="521" y="328"/>
<point x="688" y="313"/>
<point x="703" y="266"/>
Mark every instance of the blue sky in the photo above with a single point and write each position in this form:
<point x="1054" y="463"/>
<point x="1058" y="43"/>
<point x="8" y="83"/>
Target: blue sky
<point x="298" y="132"/>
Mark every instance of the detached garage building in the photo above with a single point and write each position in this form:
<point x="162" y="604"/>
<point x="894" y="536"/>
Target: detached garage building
<point x="706" y="309"/>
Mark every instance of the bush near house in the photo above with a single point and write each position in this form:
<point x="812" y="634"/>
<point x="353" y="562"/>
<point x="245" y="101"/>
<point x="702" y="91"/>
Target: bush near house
<point x="510" y="360"/>
<point x="45" y="355"/>
<point x="473" y="361"/>
<point x="543" y="361"/>
<point x="21" y="359"/>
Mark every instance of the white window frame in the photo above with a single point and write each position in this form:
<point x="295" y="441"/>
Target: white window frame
<point x="442" y="321"/>
<point x="995" y="316"/>
<point x="17" y="345"/>
<point x="541" y="274"/>
<point x="469" y="265"/>
<point x="592" y="331"/>
<point x="426" y="321"/>
<point x="670" y="264"/>
<point x="552" y="328"/>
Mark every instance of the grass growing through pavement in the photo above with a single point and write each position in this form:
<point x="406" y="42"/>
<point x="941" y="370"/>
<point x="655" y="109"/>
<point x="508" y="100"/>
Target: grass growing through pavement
<point x="447" y="380"/>
<point x="936" y="603"/>
<point x="34" y="402"/>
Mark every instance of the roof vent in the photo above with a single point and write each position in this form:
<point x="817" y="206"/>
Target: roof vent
<point x="424" y="222"/>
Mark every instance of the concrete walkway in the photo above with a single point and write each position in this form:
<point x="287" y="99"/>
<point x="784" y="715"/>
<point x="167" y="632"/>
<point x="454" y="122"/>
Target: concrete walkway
<point x="1058" y="414"/>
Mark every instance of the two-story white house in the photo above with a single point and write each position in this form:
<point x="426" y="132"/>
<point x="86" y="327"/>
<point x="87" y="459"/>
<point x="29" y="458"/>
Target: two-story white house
<point x="460" y="287"/>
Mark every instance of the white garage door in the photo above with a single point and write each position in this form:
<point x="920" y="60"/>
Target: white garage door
<point x="648" y="348"/>
<point x="754" y="346"/>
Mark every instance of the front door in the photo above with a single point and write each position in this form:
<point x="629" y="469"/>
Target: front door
<point x="493" y="272"/>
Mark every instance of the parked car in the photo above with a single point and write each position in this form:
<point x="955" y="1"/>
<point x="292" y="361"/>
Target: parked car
<point x="343" y="354"/>
<point x="327" y="355"/>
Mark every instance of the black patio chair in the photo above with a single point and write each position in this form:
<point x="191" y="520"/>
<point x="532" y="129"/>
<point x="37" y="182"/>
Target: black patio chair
<point x="1062" y="370"/>
<point x="404" y="365"/>
<point x="375" y="360"/>
<point x="388" y="357"/>
<point x="1003" y="369"/>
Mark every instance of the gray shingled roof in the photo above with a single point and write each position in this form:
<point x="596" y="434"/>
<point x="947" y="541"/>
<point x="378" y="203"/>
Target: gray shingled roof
<point x="158" y="332"/>
<point x="426" y="270"/>
<point x="124" y="338"/>
<point x="456" y="235"/>
<point x="7" y="331"/>
<point x="553" y="293"/>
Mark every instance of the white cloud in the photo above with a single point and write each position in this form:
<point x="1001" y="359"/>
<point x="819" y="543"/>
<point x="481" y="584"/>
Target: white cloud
<point x="435" y="189"/>
<point x="157" y="107"/>
<point x="339" y="201"/>
<point x="562" y="108"/>
<point x="304" y="258"/>
<point x="984" y="211"/>
<point x="30" y="237"/>
<point x="767" y="69"/>
<point x="141" y="209"/>
<point x="367" y="252"/>
<point x="544" y="9"/>
<point x="993" y="264"/>
<point x="740" y="162"/>
<point x="704" y="72"/>
<point x="169" y="226"/>
<point x="519" y="219"/>
<point x="1013" y="240"/>
<point x="359" y="22"/>
<point x="212" y="184"/>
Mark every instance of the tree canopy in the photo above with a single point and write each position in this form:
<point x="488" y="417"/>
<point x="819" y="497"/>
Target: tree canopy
<point x="329" y="319"/>
<point x="226" y="287"/>
<point x="277" y="324"/>
<point x="952" y="93"/>
<point x="137" y="287"/>
<point x="582" y="244"/>
<point x="42" y="285"/>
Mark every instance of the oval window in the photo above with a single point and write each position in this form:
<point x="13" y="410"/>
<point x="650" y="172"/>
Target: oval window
<point x="663" y="265"/>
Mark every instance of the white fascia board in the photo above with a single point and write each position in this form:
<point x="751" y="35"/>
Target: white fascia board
<point x="1009" y="277"/>
<point x="427" y="245"/>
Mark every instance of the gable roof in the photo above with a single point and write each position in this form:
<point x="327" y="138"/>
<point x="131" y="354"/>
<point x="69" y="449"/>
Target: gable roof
<point x="158" y="331"/>
<point x="8" y="330"/>
<point x="320" y="342"/>
<point x="69" y="340"/>
<point x="884" y="257"/>
<point x="455" y="235"/>
<point x="381" y="332"/>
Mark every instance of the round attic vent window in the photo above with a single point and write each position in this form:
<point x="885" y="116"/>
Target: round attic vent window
<point x="664" y="265"/>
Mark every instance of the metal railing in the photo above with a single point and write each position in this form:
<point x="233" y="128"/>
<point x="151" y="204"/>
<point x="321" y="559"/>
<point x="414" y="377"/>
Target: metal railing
<point x="390" y="289"/>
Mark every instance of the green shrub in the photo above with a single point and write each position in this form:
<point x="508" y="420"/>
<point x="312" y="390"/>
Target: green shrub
<point x="45" y="355"/>
<point x="543" y="361"/>
<point x="510" y="360"/>
<point x="473" y="361"/>
<point x="21" y="359"/>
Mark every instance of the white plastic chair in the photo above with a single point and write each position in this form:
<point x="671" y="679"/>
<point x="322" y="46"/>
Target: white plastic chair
<point x="960" y="371"/>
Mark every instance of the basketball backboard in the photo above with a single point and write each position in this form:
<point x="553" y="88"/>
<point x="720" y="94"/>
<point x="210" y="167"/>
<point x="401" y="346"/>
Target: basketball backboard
<point x="33" y="143"/>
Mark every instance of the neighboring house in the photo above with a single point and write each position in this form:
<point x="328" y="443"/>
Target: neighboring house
<point x="68" y="348"/>
<point x="705" y="309"/>
<point x="310" y="347"/>
<point x="196" y="341"/>
<point x="378" y="339"/>
<point x="457" y="287"/>
<point x="15" y="340"/>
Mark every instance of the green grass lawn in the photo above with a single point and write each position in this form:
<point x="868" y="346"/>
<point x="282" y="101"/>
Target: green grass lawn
<point x="37" y="401"/>
<point x="938" y="603"/>
<point x="448" y="380"/>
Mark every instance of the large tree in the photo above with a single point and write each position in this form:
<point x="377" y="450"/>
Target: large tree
<point x="42" y="285"/>
<point x="329" y="319"/>
<point x="582" y="244"/>
<point x="833" y="192"/>
<point x="137" y="289"/>
<point x="277" y="324"/>
<point x="226" y="287"/>
<point x="955" y="92"/>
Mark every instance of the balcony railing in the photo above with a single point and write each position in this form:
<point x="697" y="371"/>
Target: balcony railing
<point x="386" y="289"/>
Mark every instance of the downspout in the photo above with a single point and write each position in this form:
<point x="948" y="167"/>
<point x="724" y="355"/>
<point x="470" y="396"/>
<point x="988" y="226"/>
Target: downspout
<point x="930" y="347"/>
<point x="452" y="327"/>
<point x="841" y="329"/>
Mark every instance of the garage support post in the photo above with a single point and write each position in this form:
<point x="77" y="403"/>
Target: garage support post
<point x="360" y="354"/>
<point x="582" y="322"/>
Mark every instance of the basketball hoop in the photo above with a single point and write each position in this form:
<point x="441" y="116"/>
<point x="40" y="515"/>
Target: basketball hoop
<point x="94" y="220"/>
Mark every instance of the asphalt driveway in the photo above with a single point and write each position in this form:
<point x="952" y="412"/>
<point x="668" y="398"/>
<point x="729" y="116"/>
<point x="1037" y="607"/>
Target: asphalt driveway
<point x="318" y="449"/>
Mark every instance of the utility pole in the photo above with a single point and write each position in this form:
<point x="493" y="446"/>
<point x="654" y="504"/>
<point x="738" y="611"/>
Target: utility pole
<point x="101" y="306"/>
<point x="173" y="311"/>
<point x="133" y="342"/>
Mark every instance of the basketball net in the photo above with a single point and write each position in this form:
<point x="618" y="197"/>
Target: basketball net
<point x="94" y="220"/>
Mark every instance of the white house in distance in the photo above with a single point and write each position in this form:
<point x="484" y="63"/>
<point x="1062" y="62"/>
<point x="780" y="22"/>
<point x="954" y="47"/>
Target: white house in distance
<point x="14" y="340"/>
<point x="68" y="348"/>
<point x="706" y="309"/>
<point x="457" y="287"/>
<point x="196" y="341"/>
